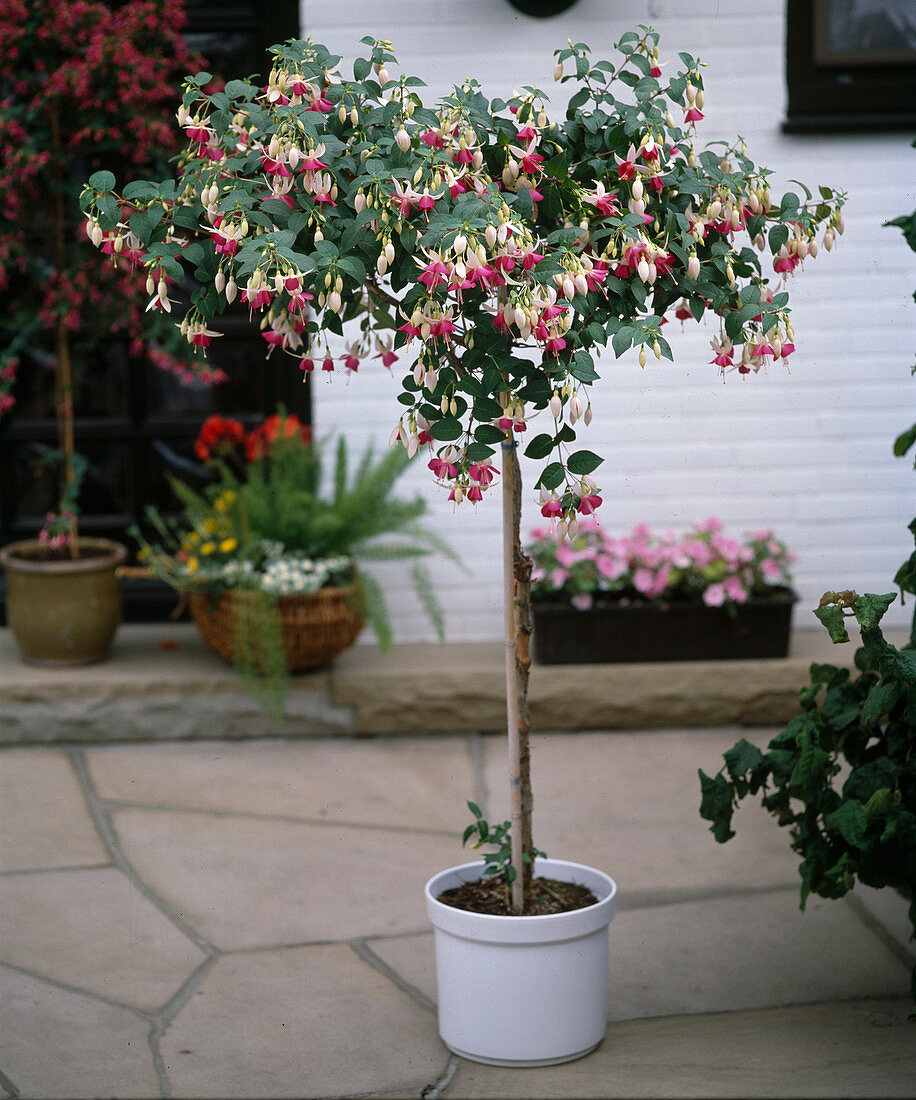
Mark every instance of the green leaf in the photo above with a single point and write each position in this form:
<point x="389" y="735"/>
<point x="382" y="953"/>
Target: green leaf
<point x="777" y="237"/>
<point x="904" y="441"/>
<point x="742" y="758"/>
<point x="102" y="181"/>
<point x="622" y="340"/>
<point x="717" y="805"/>
<point x="834" y="620"/>
<point x="540" y="446"/>
<point x="446" y="430"/>
<point x="850" y="821"/>
<point x="811" y="760"/>
<point x="583" y="462"/>
<point x="489" y="433"/>
<point x="551" y="477"/>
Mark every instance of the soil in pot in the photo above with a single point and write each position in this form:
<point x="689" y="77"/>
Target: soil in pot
<point x="491" y="896"/>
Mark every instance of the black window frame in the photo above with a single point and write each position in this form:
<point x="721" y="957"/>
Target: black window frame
<point x="843" y="92"/>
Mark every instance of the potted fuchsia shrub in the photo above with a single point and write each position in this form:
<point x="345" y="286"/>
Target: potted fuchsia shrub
<point x="492" y="251"/>
<point x="659" y="597"/>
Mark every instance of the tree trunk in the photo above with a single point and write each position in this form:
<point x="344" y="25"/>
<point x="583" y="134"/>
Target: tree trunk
<point x="63" y="378"/>
<point x="517" y="609"/>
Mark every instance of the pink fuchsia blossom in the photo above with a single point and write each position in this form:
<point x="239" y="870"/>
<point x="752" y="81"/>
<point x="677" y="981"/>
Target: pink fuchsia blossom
<point x="482" y="472"/>
<point x="588" y="504"/>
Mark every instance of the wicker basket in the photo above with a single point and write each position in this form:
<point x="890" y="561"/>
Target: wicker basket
<point x="315" y="628"/>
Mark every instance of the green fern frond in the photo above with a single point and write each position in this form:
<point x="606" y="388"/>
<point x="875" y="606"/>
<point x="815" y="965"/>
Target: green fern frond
<point x="427" y="595"/>
<point x="376" y="609"/>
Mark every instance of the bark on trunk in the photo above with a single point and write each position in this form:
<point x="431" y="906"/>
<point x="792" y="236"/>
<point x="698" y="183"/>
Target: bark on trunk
<point x="517" y="607"/>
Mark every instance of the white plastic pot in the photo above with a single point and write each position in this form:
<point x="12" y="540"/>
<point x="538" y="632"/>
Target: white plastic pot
<point x="522" y="991"/>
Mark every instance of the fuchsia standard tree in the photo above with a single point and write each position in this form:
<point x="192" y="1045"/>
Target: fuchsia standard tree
<point x="83" y="86"/>
<point x="500" y="249"/>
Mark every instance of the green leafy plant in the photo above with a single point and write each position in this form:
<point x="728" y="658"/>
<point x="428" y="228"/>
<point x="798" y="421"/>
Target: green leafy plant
<point x="266" y="524"/>
<point x="842" y="775"/>
<point x="496" y="864"/>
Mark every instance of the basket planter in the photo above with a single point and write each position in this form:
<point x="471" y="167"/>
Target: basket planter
<point x="315" y="628"/>
<point x="522" y="991"/>
<point x="63" y="611"/>
<point x="685" y="631"/>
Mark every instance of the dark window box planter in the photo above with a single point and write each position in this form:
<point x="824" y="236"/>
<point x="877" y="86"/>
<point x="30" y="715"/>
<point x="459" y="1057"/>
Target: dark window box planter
<point x="674" y="631"/>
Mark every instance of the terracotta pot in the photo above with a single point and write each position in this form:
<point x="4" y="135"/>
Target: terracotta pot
<point x="63" y="612"/>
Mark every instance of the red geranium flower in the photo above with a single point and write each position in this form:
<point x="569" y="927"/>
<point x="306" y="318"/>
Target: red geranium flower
<point x="217" y="435"/>
<point x="260" y="440"/>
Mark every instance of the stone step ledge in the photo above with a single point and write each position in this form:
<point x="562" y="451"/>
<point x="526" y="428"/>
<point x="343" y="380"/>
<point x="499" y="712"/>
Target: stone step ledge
<point x="161" y="683"/>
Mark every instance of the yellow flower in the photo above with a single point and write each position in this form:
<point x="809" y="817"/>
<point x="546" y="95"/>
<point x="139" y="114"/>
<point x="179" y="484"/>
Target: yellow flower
<point x="228" y="545"/>
<point x="191" y="539"/>
<point x="208" y="548"/>
<point x="209" y="525"/>
<point x="192" y="565"/>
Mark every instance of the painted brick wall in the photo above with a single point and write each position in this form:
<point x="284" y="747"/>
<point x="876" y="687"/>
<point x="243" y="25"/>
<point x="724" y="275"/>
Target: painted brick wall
<point x="808" y="454"/>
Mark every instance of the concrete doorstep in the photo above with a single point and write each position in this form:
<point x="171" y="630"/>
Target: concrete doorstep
<point x="162" y="683"/>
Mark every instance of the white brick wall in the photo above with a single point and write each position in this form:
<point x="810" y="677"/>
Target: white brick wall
<point x="808" y="454"/>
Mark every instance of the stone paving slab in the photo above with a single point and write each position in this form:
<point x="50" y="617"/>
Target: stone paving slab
<point x="244" y="882"/>
<point x="93" y="929"/>
<point x="629" y="805"/>
<point x="56" y="1043"/>
<point x="300" y="1022"/>
<point x="359" y="783"/>
<point x="836" y="1050"/>
<point x="44" y="821"/>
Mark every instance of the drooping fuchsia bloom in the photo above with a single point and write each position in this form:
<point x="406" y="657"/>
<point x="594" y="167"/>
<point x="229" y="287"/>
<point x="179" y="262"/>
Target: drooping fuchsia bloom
<point x="197" y="333"/>
<point x="313" y="162"/>
<point x="552" y="509"/>
<point x="435" y="272"/>
<point x="603" y="202"/>
<point x="626" y="169"/>
<point x="588" y="503"/>
<point x="274" y="167"/>
<point x="328" y="364"/>
<point x="307" y="364"/>
<point x="433" y="139"/>
<point x="595" y="276"/>
<point x="256" y="297"/>
<point x="482" y="472"/>
<point x="693" y="115"/>
<point x="403" y="197"/>
<point x="441" y="469"/>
